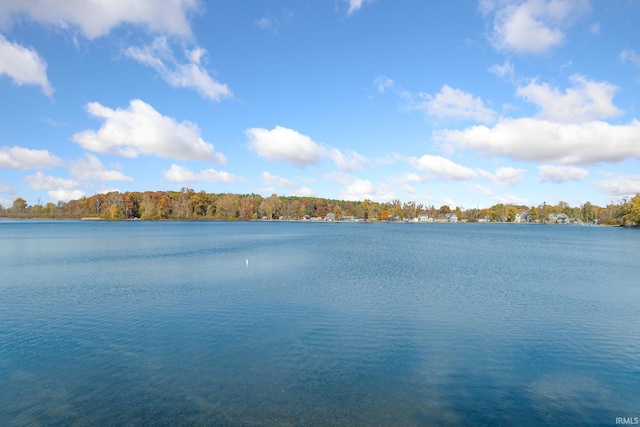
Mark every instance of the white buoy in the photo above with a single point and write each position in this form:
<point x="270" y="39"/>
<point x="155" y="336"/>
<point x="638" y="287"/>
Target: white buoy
<point x="247" y="262"/>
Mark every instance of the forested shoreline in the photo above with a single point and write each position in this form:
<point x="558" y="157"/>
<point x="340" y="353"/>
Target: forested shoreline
<point x="188" y="204"/>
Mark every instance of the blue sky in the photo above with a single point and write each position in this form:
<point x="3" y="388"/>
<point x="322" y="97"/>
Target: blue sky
<point x="465" y="103"/>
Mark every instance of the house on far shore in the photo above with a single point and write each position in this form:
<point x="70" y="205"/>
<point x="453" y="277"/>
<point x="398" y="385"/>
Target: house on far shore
<point x="453" y="218"/>
<point x="559" y="218"/>
<point x="522" y="216"/>
<point x="330" y="216"/>
<point x="424" y="218"/>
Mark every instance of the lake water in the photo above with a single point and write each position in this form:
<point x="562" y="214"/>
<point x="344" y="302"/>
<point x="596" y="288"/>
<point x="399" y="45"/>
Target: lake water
<point x="165" y="323"/>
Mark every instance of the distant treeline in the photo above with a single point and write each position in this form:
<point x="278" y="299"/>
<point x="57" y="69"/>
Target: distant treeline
<point x="188" y="204"/>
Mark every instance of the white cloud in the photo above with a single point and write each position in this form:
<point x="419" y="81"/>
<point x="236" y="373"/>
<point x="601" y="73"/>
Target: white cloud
<point x="383" y="83"/>
<point x="410" y="178"/>
<point x="355" y="5"/>
<point x="587" y="100"/>
<point x="294" y="189"/>
<point x="351" y="161"/>
<point x="93" y="169"/>
<point x="62" y="194"/>
<point x="532" y="26"/>
<point x="505" y="70"/>
<point x="443" y="168"/>
<point x="23" y="65"/>
<point x="504" y="176"/>
<point x="57" y="188"/>
<point x="559" y="174"/>
<point x="283" y="144"/>
<point x="140" y="129"/>
<point x="303" y="192"/>
<point x="361" y="189"/>
<point x="630" y="55"/>
<point x="40" y="181"/>
<point x="180" y="174"/>
<point x="24" y="158"/>
<point x="620" y="185"/>
<point x="455" y="103"/>
<point x="545" y="141"/>
<point x="98" y="18"/>
<point x="271" y="179"/>
<point x="159" y="56"/>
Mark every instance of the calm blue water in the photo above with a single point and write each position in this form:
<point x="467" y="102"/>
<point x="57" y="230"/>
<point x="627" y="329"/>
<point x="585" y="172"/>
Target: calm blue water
<point x="164" y="323"/>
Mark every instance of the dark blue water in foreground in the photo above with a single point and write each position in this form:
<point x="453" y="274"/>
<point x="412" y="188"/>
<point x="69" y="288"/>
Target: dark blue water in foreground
<point x="149" y="323"/>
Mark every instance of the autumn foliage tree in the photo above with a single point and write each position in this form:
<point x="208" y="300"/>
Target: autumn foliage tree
<point x="188" y="204"/>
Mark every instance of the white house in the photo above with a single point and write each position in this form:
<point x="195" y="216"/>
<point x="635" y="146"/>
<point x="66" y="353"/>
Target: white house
<point x="522" y="216"/>
<point x="424" y="218"/>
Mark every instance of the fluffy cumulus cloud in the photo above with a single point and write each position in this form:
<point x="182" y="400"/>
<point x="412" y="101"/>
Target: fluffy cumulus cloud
<point x="288" y="145"/>
<point x="97" y="18"/>
<point x="619" y="185"/>
<point x="504" y="176"/>
<point x="180" y="174"/>
<point x="587" y="100"/>
<point x="40" y="181"/>
<point x="531" y="139"/>
<point x="23" y="65"/>
<point x="360" y="189"/>
<point x="355" y="5"/>
<point x="559" y="174"/>
<point x="140" y="129"/>
<point x="24" y="158"/>
<point x="285" y="144"/>
<point x="531" y="26"/>
<point x="347" y="161"/>
<point x="64" y="195"/>
<point x="91" y="168"/>
<point x="58" y="189"/>
<point x="443" y="168"/>
<point x="456" y="104"/>
<point x="188" y="74"/>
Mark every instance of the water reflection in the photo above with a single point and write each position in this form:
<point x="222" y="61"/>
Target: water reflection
<point x="328" y="324"/>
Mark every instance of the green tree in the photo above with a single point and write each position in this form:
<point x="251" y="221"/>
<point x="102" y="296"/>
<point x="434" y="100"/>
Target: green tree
<point x="588" y="214"/>
<point x="497" y="212"/>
